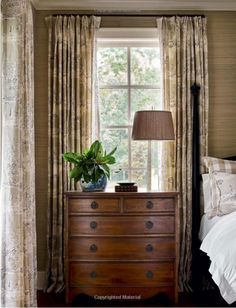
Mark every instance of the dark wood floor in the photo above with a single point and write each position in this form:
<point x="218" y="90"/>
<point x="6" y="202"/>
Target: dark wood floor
<point x="204" y="299"/>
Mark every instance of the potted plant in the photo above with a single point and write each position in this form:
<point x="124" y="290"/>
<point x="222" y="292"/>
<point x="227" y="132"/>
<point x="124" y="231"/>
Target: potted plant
<point x="91" y="167"/>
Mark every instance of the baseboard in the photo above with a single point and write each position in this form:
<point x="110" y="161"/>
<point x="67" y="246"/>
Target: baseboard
<point x="41" y="280"/>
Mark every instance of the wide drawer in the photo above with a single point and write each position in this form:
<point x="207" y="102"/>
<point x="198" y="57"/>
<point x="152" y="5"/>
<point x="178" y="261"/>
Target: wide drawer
<point x="148" y="205"/>
<point x="121" y="274"/>
<point x="95" y="248"/>
<point x="121" y="225"/>
<point x="93" y="205"/>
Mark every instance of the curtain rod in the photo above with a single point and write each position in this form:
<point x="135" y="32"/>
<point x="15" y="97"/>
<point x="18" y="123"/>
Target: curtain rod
<point x="129" y="15"/>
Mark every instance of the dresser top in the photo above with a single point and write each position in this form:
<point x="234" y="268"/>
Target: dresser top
<point x="122" y="194"/>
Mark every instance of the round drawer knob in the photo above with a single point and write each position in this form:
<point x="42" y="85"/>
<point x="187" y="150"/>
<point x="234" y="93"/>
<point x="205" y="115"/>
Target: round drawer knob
<point x="93" y="248"/>
<point x="149" y="225"/>
<point x="149" y="274"/>
<point x="94" y="205"/>
<point x="93" y="224"/>
<point x="93" y="274"/>
<point x="149" y="248"/>
<point x="149" y="205"/>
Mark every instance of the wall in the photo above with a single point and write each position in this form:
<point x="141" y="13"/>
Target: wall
<point x="222" y="83"/>
<point x="222" y="91"/>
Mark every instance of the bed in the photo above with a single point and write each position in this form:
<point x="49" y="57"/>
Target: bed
<point x="214" y="232"/>
<point x="220" y="246"/>
<point x="218" y="225"/>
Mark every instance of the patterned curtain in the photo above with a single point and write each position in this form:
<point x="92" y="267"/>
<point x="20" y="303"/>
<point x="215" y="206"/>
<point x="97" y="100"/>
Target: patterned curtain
<point x="70" y="64"/>
<point x="17" y="194"/>
<point x="185" y="61"/>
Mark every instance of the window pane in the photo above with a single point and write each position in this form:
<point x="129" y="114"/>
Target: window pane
<point x="117" y="137"/>
<point x="139" y="177"/>
<point x="155" y="153"/>
<point x="118" y="176"/>
<point x="145" y="66"/>
<point x="154" y="179"/>
<point x="112" y="66"/>
<point x="144" y="99"/>
<point x="113" y="107"/>
<point x="139" y="152"/>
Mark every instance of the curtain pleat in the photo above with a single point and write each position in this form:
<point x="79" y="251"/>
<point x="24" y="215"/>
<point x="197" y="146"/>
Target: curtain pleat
<point x="70" y="62"/>
<point x="184" y="52"/>
<point x="17" y="193"/>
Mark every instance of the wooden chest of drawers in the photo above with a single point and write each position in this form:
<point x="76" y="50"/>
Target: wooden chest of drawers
<point x="123" y="245"/>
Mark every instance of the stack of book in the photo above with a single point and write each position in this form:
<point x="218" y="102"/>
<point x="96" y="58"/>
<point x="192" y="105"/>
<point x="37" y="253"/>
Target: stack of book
<point x="126" y="187"/>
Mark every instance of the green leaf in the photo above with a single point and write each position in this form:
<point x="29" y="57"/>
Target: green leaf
<point x="76" y="173"/>
<point x="97" y="175"/>
<point x="90" y="154"/>
<point x="112" y="152"/>
<point x="96" y="147"/>
<point x="86" y="177"/>
<point x="72" y="157"/>
<point x="106" y="170"/>
<point x="110" y="160"/>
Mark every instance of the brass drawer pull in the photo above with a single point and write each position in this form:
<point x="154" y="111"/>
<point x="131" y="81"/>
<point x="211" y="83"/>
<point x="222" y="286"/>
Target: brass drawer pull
<point x="149" y="248"/>
<point x="93" y="248"/>
<point x="94" y="205"/>
<point x="93" y="274"/>
<point x="149" y="225"/>
<point x="93" y="224"/>
<point x="149" y="274"/>
<point x="149" y="205"/>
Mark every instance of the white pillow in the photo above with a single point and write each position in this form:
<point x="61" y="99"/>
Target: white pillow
<point x="206" y="187"/>
<point x="223" y="188"/>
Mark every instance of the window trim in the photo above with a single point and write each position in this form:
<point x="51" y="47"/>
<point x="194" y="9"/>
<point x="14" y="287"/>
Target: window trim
<point x="127" y="37"/>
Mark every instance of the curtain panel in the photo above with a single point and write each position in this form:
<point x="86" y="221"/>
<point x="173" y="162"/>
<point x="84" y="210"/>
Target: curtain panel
<point x="70" y="77"/>
<point x="184" y="53"/>
<point x="17" y="193"/>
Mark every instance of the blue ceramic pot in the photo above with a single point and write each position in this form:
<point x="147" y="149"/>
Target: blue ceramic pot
<point x="99" y="186"/>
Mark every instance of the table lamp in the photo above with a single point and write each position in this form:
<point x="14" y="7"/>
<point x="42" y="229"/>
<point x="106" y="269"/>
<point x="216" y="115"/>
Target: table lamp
<point x="152" y="125"/>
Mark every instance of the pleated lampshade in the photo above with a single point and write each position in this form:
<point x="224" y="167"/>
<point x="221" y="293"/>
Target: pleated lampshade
<point x="153" y="125"/>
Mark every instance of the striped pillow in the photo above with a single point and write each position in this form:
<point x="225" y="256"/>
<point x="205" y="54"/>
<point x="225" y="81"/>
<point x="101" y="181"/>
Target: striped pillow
<point x="221" y="165"/>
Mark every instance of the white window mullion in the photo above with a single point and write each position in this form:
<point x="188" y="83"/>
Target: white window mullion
<point x="138" y="87"/>
<point x="149" y="167"/>
<point x="119" y="126"/>
<point x="129" y="110"/>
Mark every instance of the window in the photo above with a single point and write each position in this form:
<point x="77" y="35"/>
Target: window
<point x="129" y="80"/>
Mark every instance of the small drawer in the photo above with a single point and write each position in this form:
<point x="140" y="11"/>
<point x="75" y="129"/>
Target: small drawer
<point x="149" y="205"/>
<point x="121" y="274"/>
<point x="93" y="205"/>
<point x="121" y="225"/>
<point x="103" y="248"/>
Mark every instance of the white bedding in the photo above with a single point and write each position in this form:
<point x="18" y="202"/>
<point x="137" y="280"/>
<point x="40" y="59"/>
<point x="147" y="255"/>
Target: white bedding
<point x="206" y="225"/>
<point x="220" y="246"/>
